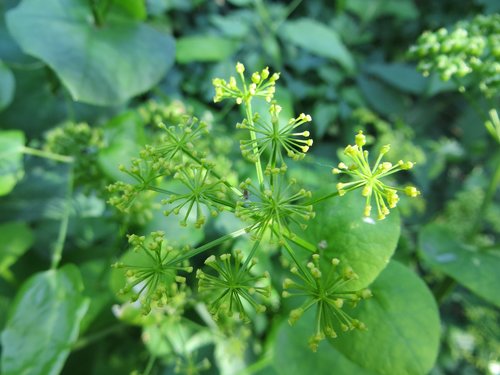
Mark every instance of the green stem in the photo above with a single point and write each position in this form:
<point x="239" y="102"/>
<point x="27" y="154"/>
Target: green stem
<point x="292" y="255"/>
<point x="63" y="227"/>
<point x="150" y="365"/>
<point x="301" y="242"/>
<point x="213" y="243"/>
<point x="488" y="196"/>
<point x="90" y="339"/>
<point x="47" y="155"/>
<point x="253" y="137"/>
<point x="325" y="197"/>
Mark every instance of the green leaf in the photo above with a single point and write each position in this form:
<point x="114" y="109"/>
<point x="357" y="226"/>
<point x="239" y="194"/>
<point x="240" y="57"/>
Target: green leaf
<point x="11" y="159"/>
<point x="381" y="97"/>
<point x="7" y="86"/>
<point x="204" y="48"/>
<point x="365" y="244"/>
<point x="402" y="336"/>
<point x="102" y="65"/>
<point x="15" y="239"/>
<point x="133" y="8"/>
<point x="407" y="333"/>
<point x="400" y="76"/>
<point x="318" y="39"/>
<point x="475" y="269"/>
<point x="43" y="323"/>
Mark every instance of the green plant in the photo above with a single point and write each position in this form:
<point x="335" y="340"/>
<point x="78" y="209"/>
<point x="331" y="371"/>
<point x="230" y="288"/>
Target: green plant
<point x="275" y="208"/>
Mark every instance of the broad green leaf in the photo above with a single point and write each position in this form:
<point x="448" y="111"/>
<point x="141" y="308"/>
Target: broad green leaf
<point x="11" y="159"/>
<point x="402" y="336"/>
<point x="318" y="39"/>
<point x="7" y="86"/>
<point x="403" y="326"/>
<point x="365" y="244"/>
<point x="477" y="270"/>
<point x="400" y="76"/>
<point x="367" y="11"/>
<point x="102" y="65"/>
<point x="204" y="48"/>
<point x="381" y="97"/>
<point x="43" y="323"/>
<point x="15" y="239"/>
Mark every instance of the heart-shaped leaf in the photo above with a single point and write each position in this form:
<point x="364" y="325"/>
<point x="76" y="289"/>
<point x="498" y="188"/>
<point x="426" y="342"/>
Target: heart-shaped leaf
<point x="402" y="336"/>
<point x="365" y="244"/>
<point x="99" y="64"/>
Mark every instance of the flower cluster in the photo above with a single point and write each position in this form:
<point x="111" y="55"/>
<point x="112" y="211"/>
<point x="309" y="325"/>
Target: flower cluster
<point x="472" y="47"/>
<point x="83" y="143"/>
<point x="278" y="139"/>
<point x="201" y="190"/>
<point x="327" y="288"/>
<point x="275" y="209"/>
<point x="369" y="178"/>
<point x="153" y="277"/>
<point x="262" y="86"/>
<point x="232" y="285"/>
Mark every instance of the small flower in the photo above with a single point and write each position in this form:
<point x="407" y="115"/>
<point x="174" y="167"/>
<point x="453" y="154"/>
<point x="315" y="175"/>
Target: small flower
<point x="275" y="209"/>
<point x="261" y="85"/>
<point x="326" y="287"/>
<point x="279" y="139"/>
<point x="369" y="178"/>
<point x="202" y="189"/>
<point x="232" y="285"/>
<point x="153" y="278"/>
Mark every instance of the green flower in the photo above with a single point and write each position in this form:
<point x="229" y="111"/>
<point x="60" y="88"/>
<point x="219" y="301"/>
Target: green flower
<point x="153" y="278"/>
<point x="262" y="85"/>
<point x="325" y="287"/>
<point x="369" y="178"/>
<point x="278" y="139"/>
<point x="232" y="285"/>
<point x="202" y="190"/>
<point x="275" y="209"/>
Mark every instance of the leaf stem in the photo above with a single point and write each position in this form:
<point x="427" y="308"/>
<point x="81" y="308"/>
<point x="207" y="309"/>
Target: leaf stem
<point x="63" y="227"/>
<point x="90" y="339"/>
<point x="47" y="155"/>
<point x="323" y="198"/>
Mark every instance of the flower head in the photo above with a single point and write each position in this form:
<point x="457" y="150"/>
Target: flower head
<point x="232" y="285"/>
<point x="153" y="278"/>
<point x="262" y="84"/>
<point x="276" y="138"/>
<point x="326" y="287"/>
<point x="369" y="178"/>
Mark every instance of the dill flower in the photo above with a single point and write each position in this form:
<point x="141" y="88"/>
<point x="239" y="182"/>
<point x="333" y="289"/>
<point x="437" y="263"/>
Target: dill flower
<point x="232" y="285"/>
<point x="369" y="178"/>
<point x="326" y="288"/>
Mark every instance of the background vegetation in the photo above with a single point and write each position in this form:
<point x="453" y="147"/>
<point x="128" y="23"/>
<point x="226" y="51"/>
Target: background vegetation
<point x="80" y="84"/>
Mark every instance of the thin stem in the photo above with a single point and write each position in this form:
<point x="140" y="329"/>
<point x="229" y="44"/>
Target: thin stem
<point x="150" y="365"/>
<point x="63" y="227"/>
<point x="253" y="137"/>
<point x="488" y="196"/>
<point x="90" y="339"/>
<point x="325" y="197"/>
<point x="47" y="155"/>
<point x="213" y="243"/>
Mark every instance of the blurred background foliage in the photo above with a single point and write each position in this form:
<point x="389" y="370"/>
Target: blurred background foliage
<point x="85" y="78"/>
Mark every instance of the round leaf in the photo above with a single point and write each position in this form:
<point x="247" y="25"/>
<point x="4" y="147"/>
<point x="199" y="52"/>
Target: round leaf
<point x="318" y="39"/>
<point x="475" y="269"/>
<point x="204" y="48"/>
<point x="102" y="65"/>
<point x="402" y="337"/>
<point x="365" y="244"/>
<point x="43" y="323"/>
